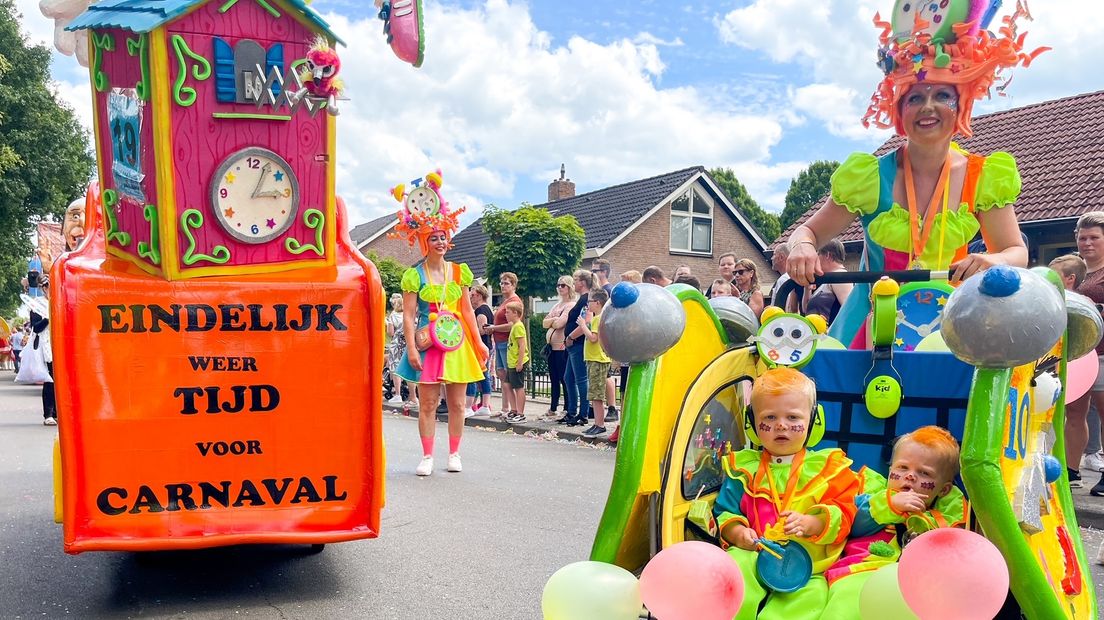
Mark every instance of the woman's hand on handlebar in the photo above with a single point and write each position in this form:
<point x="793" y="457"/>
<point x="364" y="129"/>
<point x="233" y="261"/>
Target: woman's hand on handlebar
<point x="972" y="264"/>
<point x="803" y="264"/>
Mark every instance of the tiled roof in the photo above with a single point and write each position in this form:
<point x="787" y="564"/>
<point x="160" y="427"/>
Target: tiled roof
<point x="146" y="15"/>
<point x="365" y="231"/>
<point x="603" y="214"/>
<point x="1059" y="149"/>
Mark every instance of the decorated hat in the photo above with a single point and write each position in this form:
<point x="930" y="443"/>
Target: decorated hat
<point x="424" y="212"/>
<point x="945" y="42"/>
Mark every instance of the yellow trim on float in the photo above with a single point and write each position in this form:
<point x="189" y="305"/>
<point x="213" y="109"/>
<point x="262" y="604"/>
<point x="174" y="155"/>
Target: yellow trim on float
<point x="162" y="144"/>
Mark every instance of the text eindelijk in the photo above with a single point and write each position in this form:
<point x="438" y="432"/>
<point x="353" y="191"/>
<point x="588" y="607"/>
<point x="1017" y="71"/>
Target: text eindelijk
<point x="207" y="399"/>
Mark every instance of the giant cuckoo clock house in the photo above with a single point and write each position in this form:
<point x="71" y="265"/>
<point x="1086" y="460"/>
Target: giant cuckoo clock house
<point x="217" y="338"/>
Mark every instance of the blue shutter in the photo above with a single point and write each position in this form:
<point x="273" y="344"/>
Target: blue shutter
<point x="274" y="57"/>
<point x="225" y="89"/>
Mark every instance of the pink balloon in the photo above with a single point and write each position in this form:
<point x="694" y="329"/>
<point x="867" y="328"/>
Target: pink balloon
<point x="953" y="574"/>
<point x="692" y="581"/>
<point x="1080" y="376"/>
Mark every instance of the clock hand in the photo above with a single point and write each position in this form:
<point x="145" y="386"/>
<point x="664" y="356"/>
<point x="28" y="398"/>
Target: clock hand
<point x="260" y="181"/>
<point x="901" y="321"/>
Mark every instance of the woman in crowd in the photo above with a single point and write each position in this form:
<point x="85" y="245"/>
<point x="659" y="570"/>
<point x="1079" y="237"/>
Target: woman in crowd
<point x="947" y="194"/>
<point x="396" y="349"/>
<point x="827" y="299"/>
<point x="555" y="323"/>
<point x="1090" y="245"/>
<point x="575" y="377"/>
<point x="438" y="288"/>
<point x="500" y="335"/>
<point x="747" y="285"/>
<point x="726" y="266"/>
<point x="479" y="392"/>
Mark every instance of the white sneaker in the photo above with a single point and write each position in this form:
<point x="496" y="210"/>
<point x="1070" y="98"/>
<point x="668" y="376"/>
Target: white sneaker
<point x="425" y="468"/>
<point x="454" y="463"/>
<point x="484" y="410"/>
<point x="396" y="400"/>
<point x="49" y="421"/>
<point x="1093" y="462"/>
<point x="1100" y="555"/>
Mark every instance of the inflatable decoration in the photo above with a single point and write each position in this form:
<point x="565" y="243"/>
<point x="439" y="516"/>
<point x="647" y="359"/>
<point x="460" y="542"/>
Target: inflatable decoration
<point x="72" y="226"/>
<point x="953" y="573"/>
<point x="1003" y="318"/>
<point x="1081" y="374"/>
<point x="692" y="581"/>
<point x="736" y="317"/>
<point x="319" y="75"/>
<point x="591" y="591"/>
<point x="788" y="339"/>
<point x="217" y="307"/>
<point x="881" y="598"/>
<point x="1084" y="324"/>
<point x="65" y="41"/>
<point x="402" y="23"/>
<point x="640" y="322"/>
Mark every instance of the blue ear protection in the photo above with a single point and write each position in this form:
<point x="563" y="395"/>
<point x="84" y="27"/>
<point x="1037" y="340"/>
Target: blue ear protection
<point x="816" y="427"/>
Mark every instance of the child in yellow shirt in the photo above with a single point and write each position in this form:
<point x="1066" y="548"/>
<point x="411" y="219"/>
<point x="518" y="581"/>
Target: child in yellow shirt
<point x="517" y="360"/>
<point x="597" y="362"/>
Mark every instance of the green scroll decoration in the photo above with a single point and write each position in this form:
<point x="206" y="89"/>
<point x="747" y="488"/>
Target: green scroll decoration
<point x="316" y="221"/>
<point x="191" y="220"/>
<point x="110" y="200"/>
<point x="185" y="96"/>
<point x="140" y="47"/>
<point x="151" y="250"/>
<point x="264" y="5"/>
<point x="100" y="43"/>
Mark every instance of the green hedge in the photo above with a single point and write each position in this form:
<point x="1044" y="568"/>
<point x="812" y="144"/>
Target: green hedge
<point x="538" y="365"/>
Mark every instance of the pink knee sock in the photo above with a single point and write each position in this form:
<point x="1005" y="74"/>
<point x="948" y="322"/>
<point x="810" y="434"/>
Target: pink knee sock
<point x="427" y="446"/>
<point x="454" y="444"/>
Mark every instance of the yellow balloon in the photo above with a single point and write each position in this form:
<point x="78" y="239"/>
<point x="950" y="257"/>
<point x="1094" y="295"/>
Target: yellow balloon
<point x="591" y="591"/>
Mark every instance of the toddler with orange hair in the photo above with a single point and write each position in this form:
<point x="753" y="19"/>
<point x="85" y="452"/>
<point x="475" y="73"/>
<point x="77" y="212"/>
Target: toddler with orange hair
<point x="919" y="496"/>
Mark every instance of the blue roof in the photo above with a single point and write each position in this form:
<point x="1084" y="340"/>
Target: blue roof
<point x="146" y="15"/>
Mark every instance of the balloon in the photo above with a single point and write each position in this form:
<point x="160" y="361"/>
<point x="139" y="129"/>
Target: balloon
<point x="953" y="573"/>
<point x="1080" y="376"/>
<point x="881" y="597"/>
<point x="692" y="581"/>
<point x="1045" y="393"/>
<point x="933" y="343"/>
<point x="591" y="591"/>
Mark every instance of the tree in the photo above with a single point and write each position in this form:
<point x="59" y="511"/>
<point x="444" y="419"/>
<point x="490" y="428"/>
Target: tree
<point x="534" y="245"/>
<point x="45" y="161"/>
<point x="763" y="221"/>
<point x="390" y="271"/>
<point x="806" y="190"/>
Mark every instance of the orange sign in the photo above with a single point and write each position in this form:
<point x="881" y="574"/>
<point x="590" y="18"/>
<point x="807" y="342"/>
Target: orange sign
<point x="220" y="410"/>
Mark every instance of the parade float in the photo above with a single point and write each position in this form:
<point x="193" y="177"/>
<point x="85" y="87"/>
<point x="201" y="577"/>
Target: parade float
<point x="217" y="337"/>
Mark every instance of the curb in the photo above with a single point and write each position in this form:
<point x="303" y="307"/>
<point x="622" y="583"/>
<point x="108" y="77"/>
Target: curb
<point x="1089" y="510"/>
<point x="519" y="429"/>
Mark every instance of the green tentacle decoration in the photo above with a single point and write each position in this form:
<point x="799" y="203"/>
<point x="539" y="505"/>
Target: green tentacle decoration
<point x="110" y="200"/>
<point x="100" y="43"/>
<point x="140" y="47"/>
<point x="185" y="96"/>
<point x="316" y="221"/>
<point x="191" y="220"/>
<point x="151" y="250"/>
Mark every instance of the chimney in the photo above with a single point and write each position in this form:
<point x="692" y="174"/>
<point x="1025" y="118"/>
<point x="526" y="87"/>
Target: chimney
<point x="561" y="188"/>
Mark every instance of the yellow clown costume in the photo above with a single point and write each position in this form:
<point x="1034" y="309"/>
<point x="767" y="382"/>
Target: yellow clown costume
<point x="758" y="487"/>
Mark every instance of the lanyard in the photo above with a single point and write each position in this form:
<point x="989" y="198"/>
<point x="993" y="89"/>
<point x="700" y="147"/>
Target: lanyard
<point x="783" y="504"/>
<point x="920" y="240"/>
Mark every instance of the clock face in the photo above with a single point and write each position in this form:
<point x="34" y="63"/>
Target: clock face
<point x="787" y="340"/>
<point x="940" y="15"/>
<point x="423" y="200"/>
<point x="919" y="312"/>
<point x="255" y="195"/>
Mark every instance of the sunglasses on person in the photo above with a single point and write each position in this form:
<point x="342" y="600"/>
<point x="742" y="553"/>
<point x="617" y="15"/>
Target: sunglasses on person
<point x="741" y="272"/>
<point x="561" y="285"/>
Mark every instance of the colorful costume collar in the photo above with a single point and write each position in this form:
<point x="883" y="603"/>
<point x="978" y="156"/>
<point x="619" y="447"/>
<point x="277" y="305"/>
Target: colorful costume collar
<point x="945" y="42"/>
<point x="424" y="212"/>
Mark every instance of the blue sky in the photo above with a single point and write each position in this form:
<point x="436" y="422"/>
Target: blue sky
<point x="619" y="90"/>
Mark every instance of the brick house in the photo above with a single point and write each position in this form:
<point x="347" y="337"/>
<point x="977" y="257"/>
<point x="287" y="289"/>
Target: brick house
<point x="372" y="237"/>
<point x="677" y="218"/>
<point x="1059" y="149"/>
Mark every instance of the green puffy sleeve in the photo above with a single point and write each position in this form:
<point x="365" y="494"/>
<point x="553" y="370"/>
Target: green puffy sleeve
<point x="999" y="184"/>
<point x="411" y="281"/>
<point x="466" y="276"/>
<point x="856" y="184"/>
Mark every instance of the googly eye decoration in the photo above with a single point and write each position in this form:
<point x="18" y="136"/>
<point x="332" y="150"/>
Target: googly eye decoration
<point x="786" y="339"/>
<point x="940" y="15"/>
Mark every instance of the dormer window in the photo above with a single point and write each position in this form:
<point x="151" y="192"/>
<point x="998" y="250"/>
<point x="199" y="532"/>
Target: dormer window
<point x="692" y="223"/>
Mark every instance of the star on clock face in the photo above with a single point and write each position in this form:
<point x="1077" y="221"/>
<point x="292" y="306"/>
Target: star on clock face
<point x="255" y="195"/>
<point x="279" y="176"/>
<point x="229" y="212"/>
<point x="271" y="223"/>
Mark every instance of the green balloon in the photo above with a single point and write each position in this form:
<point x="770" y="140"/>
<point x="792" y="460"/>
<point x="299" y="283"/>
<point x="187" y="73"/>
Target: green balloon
<point x="881" y="598"/>
<point x="591" y="591"/>
<point x="883" y="396"/>
<point x="933" y="343"/>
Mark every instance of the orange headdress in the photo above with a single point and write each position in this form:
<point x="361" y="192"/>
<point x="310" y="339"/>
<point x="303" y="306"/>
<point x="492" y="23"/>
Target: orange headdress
<point x="424" y="212"/>
<point x="945" y="42"/>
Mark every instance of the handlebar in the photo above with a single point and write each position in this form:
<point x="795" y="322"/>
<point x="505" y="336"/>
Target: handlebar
<point x="862" y="277"/>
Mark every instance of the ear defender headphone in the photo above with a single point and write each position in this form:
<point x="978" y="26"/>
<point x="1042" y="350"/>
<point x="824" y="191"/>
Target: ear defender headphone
<point x="816" y="427"/>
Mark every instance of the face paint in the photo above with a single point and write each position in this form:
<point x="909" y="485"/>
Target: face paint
<point x="929" y="486"/>
<point x="763" y="426"/>
<point x="894" y="476"/>
<point x="798" y="428"/>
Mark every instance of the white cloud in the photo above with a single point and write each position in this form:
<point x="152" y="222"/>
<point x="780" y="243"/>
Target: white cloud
<point x="835" y="106"/>
<point x="647" y="38"/>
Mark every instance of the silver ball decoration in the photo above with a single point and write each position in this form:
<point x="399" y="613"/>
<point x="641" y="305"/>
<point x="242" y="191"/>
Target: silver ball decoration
<point x="640" y="322"/>
<point x="1084" y="325"/>
<point x="736" y="317"/>
<point x="1003" y="318"/>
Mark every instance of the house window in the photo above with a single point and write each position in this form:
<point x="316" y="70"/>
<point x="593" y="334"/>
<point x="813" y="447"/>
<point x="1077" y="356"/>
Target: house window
<point x="692" y="223"/>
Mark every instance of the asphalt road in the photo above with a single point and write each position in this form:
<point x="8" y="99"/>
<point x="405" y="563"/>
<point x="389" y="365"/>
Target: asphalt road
<point x="471" y="546"/>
